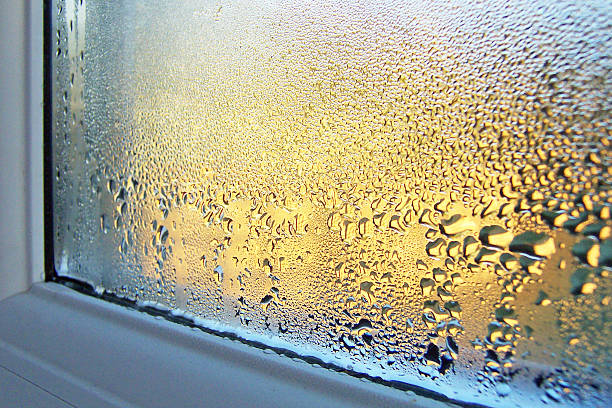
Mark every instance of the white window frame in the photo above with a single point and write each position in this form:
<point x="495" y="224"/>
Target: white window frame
<point x="61" y="348"/>
<point x="21" y="141"/>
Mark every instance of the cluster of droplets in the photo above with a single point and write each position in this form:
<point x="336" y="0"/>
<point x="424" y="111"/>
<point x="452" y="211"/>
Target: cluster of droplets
<point x="423" y="195"/>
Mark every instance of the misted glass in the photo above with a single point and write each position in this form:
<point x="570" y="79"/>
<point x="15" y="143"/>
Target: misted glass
<point x="414" y="190"/>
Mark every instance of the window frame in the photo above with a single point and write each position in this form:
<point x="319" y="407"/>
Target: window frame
<point x="21" y="151"/>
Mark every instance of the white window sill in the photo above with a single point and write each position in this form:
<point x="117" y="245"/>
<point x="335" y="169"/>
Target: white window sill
<point x="77" y="350"/>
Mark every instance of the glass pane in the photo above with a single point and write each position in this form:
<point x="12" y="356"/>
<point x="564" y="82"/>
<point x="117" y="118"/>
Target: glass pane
<point x="417" y="191"/>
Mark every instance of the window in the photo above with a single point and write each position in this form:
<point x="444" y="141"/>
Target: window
<point x="413" y="192"/>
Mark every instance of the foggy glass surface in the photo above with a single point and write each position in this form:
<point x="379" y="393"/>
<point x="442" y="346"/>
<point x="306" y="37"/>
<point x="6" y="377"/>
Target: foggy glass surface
<point x="417" y="191"/>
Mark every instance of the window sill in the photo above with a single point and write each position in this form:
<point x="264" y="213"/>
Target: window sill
<point x="87" y="352"/>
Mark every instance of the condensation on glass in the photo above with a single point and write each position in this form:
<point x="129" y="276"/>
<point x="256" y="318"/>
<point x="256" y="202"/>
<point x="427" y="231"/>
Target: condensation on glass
<point x="418" y="191"/>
